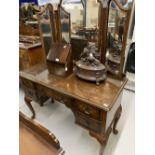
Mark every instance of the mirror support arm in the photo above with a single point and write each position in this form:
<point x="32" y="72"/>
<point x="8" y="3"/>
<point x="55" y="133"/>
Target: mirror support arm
<point x="60" y="3"/>
<point x="103" y="33"/>
<point x="84" y="3"/>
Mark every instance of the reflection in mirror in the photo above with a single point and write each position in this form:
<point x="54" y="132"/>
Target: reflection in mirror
<point x="90" y="31"/>
<point x="92" y="12"/>
<point x="65" y="25"/>
<point x="116" y="23"/>
<point x="115" y="34"/>
<point x="126" y="3"/>
<point x="76" y="10"/>
<point x="84" y="17"/>
<point x="46" y="29"/>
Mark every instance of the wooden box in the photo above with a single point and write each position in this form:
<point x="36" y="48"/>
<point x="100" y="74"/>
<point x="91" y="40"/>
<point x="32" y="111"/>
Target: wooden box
<point x="30" y="54"/>
<point x="59" y="59"/>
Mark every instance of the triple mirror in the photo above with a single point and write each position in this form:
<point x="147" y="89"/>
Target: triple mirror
<point x="104" y="25"/>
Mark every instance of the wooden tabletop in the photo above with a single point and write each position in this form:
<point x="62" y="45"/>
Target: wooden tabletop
<point x="102" y="96"/>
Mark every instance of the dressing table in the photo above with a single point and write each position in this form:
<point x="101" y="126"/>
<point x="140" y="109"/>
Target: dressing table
<point x="96" y="108"/>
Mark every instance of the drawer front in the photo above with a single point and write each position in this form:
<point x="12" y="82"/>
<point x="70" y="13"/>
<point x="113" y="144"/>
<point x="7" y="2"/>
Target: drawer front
<point x="23" y="54"/>
<point x="27" y="83"/>
<point x="47" y="92"/>
<point x="88" y="110"/>
<point x="55" y="95"/>
<point x="88" y="122"/>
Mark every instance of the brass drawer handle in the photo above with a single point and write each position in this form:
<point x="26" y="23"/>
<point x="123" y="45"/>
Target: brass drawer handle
<point x="86" y="112"/>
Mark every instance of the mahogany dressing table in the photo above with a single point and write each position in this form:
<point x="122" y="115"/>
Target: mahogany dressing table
<point x="96" y="108"/>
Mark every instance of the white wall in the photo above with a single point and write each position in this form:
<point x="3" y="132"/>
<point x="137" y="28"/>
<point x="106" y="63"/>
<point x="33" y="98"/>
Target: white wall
<point x="75" y="13"/>
<point x="92" y="13"/>
<point x="43" y="2"/>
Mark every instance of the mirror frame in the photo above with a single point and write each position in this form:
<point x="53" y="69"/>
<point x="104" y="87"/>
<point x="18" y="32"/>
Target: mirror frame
<point x="59" y="31"/>
<point x="125" y="33"/>
<point x="47" y="7"/>
<point x="103" y="29"/>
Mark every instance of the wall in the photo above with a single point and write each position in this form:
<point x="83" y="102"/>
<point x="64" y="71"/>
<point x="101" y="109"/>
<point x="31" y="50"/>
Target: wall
<point x="92" y="13"/>
<point x="76" y="13"/>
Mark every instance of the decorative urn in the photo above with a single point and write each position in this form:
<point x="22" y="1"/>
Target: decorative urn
<point x="89" y="67"/>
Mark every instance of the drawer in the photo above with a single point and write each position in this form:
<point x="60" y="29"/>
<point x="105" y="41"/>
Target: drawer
<point x="27" y="83"/>
<point x="23" y="54"/>
<point x="55" y="95"/>
<point x="88" y="110"/>
<point x="88" y="122"/>
<point x="48" y="92"/>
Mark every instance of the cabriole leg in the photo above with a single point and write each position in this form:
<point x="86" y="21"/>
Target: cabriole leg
<point x="28" y="103"/>
<point x="119" y="112"/>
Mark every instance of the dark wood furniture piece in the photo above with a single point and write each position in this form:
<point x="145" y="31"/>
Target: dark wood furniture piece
<point x="29" y="29"/>
<point x="34" y="139"/>
<point x="59" y="59"/>
<point x="28" y="24"/>
<point x="89" y="33"/>
<point x="96" y="108"/>
<point x="78" y="43"/>
<point x="30" y="54"/>
<point x="30" y="49"/>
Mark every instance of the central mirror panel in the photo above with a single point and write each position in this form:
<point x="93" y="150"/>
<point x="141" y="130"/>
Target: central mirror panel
<point x="76" y="10"/>
<point x="84" y="18"/>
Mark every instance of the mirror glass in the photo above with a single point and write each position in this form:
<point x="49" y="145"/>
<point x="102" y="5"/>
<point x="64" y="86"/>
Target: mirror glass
<point x="116" y="28"/>
<point x="84" y="18"/>
<point x="76" y="10"/>
<point x="126" y="3"/>
<point x="92" y="12"/>
<point x="65" y="25"/>
<point x="45" y="29"/>
<point x="92" y="23"/>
